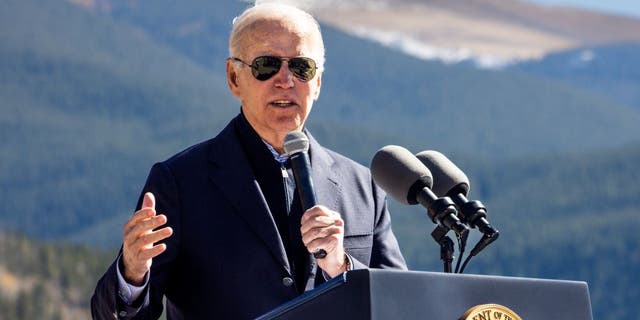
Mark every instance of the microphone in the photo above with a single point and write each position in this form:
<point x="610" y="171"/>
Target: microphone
<point x="450" y="181"/>
<point x="296" y="145"/>
<point x="397" y="171"/>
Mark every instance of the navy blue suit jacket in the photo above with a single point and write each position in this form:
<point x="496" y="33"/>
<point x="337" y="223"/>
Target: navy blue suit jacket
<point x="225" y="259"/>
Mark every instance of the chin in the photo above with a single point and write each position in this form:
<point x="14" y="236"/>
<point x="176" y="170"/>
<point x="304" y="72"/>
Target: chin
<point x="289" y="124"/>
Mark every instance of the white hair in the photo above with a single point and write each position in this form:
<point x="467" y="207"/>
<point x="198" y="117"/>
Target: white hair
<point x="264" y="10"/>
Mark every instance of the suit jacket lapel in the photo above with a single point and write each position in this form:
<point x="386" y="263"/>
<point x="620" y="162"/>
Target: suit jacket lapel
<point x="233" y="176"/>
<point x="327" y="191"/>
<point x="325" y="179"/>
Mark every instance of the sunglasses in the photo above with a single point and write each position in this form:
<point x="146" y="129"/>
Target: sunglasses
<point x="265" y="67"/>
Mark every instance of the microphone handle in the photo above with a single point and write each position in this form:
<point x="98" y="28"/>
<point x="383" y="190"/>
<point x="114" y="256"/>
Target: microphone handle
<point x="304" y="183"/>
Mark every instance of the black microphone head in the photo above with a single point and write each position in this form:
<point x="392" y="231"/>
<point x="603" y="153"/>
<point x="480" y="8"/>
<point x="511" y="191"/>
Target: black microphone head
<point x="448" y="179"/>
<point x="296" y="141"/>
<point x="396" y="170"/>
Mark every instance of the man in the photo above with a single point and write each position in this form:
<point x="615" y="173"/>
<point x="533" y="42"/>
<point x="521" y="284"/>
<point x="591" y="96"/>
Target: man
<point x="220" y="231"/>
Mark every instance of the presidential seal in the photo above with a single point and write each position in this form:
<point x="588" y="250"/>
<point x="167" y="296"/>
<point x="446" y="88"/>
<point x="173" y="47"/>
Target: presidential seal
<point x="490" y="312"/>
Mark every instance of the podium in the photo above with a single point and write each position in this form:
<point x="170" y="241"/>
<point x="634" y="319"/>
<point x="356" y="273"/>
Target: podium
<point x="389" y="294"/>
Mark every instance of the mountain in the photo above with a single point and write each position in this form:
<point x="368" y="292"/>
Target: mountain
<point x="92" y="100"/>
<point x="419" y="93"/>
<point x="91" y="96"/>
<point x="458" y="109"/>
<point x="609" y="70"/>
<point x="490" y="32"/>
<point x="79" y="93"/>
<point x="85" y="114"/>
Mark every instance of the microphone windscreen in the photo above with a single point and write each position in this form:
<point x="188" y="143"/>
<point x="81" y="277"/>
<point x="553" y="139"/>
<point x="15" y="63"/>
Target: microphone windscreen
<point x="447" y="177"/>
<point x="395" y="169"/>
<point x="296" y="141"/>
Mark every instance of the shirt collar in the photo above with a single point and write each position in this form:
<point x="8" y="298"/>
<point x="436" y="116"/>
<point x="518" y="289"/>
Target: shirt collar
<point x="281" y="158"/>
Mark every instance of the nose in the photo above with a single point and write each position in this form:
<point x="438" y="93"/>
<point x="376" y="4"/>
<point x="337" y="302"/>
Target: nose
<point x="284" y="77"/>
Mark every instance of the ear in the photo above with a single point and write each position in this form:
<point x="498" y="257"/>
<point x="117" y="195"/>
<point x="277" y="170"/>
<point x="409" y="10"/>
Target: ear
<point x="318" y="80"/>
<point x="232" y="78"/>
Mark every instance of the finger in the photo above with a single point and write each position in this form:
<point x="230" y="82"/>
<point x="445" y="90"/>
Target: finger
<point x="329" y="244"/>
<point x="322" y="221"/>
<point x="154" y="236"/>
<point x="146" y="211"/>
<point x="320" y="233"/>
<point x="144" y="227"/>
<point x="143" y="249"/>
<point x="317" y="232"/>
<point x="152" y="252"/>
<point x="138" y="216"/>
<point x="313" y="212"/>
<point x="316" y="212"/>
<point x="149" y="201"/>
<point x="317" y="222"/>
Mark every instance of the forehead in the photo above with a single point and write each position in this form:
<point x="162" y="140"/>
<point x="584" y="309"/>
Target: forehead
<point x="279" y="37"/>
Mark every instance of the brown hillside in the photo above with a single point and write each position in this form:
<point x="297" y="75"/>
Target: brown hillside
<point x="502" y="28"/>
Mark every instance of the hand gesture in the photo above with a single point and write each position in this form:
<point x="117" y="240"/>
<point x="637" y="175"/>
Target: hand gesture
<point x="138" y="247"/>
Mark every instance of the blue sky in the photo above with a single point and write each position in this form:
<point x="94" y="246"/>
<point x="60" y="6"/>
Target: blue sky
<point x="625" y="7"/>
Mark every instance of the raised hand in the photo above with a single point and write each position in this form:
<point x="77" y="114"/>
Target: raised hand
<point x="138" y="247"/>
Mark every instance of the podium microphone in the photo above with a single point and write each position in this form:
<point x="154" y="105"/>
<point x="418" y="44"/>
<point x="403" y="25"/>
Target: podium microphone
<point x="397" y="171"/>
<point x="296" y="145"/>
<point x="450" y="181"/>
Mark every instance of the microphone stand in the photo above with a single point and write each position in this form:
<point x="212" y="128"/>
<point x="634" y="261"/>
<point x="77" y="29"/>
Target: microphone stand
<point x="443" y="213"/>
<point x="474" y="213"/>
<point x="439" y="234"/>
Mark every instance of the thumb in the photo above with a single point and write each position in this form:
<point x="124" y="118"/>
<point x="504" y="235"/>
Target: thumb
<point x="149" y="201"/>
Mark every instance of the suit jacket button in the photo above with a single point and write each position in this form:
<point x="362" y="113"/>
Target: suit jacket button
<point x="122" y="314"/>
<point x="287" y="281"/>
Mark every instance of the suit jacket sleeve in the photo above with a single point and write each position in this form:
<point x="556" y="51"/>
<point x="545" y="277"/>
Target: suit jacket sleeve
<point x="385" y="251"/>
<point x="348" y="187"/>
<point x="105" y="302"/>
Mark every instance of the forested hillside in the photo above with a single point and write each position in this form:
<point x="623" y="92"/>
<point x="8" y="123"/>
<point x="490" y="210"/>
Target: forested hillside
<point x="369" y="88"/>
<point x="89" y="99"/>
<point x="85" y="115"/>
<point x="611" y="71"/>
<point x="561" y="217"/>
<point x="47" y="281"/>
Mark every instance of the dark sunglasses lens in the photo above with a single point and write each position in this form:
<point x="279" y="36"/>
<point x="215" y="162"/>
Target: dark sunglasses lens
<point x="265" y="67"/>
<point x="303" y="68"/>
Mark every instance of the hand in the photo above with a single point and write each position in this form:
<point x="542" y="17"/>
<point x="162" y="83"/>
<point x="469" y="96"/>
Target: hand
<point x="322" y="228"/>
<point x="138" y="249"/>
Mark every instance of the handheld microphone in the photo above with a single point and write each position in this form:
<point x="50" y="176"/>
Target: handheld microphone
<point x="296" y="145"/>
<point x="397" y="171"/>
<point x="450" y="181"/>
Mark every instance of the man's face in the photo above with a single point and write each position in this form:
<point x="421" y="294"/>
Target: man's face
<point x="281" y="103"/>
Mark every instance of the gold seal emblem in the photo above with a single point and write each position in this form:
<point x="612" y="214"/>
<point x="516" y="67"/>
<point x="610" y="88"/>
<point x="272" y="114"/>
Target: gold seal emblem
<point x="490" y="312"/>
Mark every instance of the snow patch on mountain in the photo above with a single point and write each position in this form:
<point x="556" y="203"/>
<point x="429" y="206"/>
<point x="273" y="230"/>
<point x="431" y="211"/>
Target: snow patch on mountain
<point x="414" y="47"/>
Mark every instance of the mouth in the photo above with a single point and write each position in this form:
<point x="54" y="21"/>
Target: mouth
<point x="283" y="103"/>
